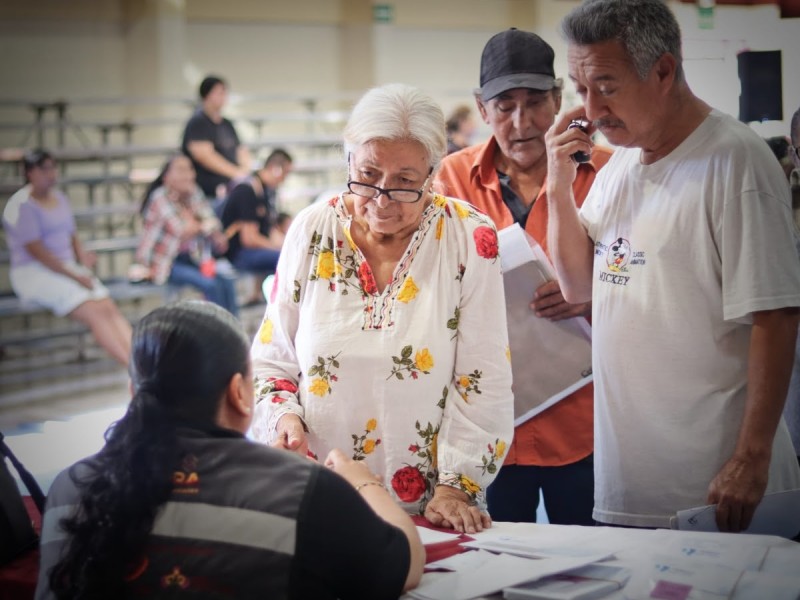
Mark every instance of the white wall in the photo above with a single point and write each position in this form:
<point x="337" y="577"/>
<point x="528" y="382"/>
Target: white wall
<point x="436" y="47"/>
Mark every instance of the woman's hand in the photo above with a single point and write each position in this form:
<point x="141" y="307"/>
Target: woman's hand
<point x="84" y="280"/>
<point x="219" y="241"/>
<point x="453" y="509"/>
<point x="356" y="472"/>
<point x="291" y="435"/>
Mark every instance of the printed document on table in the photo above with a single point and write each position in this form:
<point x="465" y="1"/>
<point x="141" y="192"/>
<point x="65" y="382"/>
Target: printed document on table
<point x="549" y="359"/>
<point x="776" y="514"/>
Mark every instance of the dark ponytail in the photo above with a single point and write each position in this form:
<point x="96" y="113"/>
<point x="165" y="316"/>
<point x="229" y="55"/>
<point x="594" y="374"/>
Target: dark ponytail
<point x="155" y="184"/>
<point x="184" y="355"/>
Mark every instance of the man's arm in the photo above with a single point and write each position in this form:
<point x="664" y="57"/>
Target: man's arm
<point x="204" y="153"/>
<point x="570" y="246"/>
<point x="244" y="158"/>
<point x="739" y="486"/>
<point x="251" y="237"/>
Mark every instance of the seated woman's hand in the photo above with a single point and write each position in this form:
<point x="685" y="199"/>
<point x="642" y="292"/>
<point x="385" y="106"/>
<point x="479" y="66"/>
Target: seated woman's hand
<point x="291" y="435"/>
<point x="452" y="508"/>
<point x="84" y="280"/>
<point x="356" y="472"/>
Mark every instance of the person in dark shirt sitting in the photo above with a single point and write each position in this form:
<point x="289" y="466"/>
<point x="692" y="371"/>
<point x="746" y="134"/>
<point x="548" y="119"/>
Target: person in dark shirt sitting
<point x="179" y="503"/>
<point x="211" y="141"/>
<point x="250" y="218"/>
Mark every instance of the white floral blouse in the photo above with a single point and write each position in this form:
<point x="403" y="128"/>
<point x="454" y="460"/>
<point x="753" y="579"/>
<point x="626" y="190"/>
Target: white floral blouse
<point x="415" y="380"/>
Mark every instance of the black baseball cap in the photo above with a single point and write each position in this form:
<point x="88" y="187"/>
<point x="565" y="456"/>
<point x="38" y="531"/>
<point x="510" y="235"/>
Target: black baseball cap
<point x="516" y="59"/>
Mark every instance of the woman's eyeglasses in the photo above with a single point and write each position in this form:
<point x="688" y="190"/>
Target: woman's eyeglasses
<point x="366" y="190"/>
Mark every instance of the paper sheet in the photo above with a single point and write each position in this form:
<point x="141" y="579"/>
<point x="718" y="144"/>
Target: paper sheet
<point x="776" y="514"/>
<point x="431" y="536"/>
<point x="559" y="360"/>
<point x="492" y="575"/>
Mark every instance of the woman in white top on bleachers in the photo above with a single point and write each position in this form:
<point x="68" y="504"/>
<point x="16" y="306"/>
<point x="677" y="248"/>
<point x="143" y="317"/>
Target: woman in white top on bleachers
<point x="49" y="267"/>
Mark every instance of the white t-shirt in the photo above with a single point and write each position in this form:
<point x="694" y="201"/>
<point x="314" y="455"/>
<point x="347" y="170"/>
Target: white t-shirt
<point x="685" y="250"/>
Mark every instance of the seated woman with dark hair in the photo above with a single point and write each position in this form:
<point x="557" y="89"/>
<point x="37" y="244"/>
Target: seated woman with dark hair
<point x="178" y="501"/>
<point x="180" y="233"/>
<point x="49" y="266"/>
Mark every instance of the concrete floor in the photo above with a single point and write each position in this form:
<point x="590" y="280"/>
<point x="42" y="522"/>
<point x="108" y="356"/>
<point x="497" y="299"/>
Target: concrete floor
<point x="49" y="436"/>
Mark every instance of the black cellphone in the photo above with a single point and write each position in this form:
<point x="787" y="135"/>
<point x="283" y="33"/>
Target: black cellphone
<point x="580" y="156"/>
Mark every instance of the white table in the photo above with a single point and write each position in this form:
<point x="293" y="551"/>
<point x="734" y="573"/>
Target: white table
<point x="746" y="558"/>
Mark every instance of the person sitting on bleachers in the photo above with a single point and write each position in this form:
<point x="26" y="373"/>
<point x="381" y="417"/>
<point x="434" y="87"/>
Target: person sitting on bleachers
<point x="250" y="217"/>
<point x="49" y="266"/>
<point x="180" y="234"/>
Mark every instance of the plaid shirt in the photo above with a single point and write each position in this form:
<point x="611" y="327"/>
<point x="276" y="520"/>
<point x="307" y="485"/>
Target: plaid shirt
<point x="163" y="227"/>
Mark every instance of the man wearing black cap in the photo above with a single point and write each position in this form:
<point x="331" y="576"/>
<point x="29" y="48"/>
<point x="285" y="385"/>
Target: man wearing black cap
<point x="506" y="178"/>
<point x="211" y="142"/>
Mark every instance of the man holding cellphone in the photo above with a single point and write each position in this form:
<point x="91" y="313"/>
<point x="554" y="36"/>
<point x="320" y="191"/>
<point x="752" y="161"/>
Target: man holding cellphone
<point x="685" y="247"/>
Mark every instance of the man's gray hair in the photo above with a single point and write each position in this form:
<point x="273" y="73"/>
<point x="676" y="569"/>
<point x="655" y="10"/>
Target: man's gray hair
<point x="646" y="29"/>
<point x="397" y="112"/>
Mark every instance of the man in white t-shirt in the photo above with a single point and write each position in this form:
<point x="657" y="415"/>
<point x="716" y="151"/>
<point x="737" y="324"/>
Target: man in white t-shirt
<point x="686" y="248"/>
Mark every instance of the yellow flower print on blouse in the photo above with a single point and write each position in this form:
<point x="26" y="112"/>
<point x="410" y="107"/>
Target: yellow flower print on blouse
<point x="409" y="290"/>
<point x="439" y="201"/>
<point x="319" y="387"/>
<point x="508" y="353"/>
<point x="461" y="210"/>
<point x="439" y="227"/>
<point x="265" y="332"/>
<point x="500" y="449"/>
<point x="326" y="265"/>
<point x="323" y="375"/>
<point x="422" y="363"/>
<point x="469" y="384"/>
<point x="362" y="445"/>
<point x="469" y="486"/>
<point x="423" y="360"/>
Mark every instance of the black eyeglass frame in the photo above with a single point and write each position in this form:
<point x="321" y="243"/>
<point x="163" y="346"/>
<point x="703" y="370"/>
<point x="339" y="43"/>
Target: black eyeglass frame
<point x="388" y="191"/>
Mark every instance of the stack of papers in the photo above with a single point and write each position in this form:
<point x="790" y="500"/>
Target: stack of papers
<point x="584" y="583"/>
<point x="562" y="362"/>
<point x="481" y="573"/>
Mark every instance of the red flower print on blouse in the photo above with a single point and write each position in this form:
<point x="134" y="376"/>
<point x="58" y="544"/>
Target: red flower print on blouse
<point x="485" y="241"/>
<point x="366" y="278"/>
<point x="282" y="385"/>
<point x="409" y="484"/>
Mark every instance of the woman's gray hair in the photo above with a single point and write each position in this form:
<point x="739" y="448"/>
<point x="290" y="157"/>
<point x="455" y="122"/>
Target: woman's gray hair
<point x="646" y="29"/>
<point x="397" y="112"/>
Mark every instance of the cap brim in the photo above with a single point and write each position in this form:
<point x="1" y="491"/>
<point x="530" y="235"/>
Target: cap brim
<point x="534" y="81"/>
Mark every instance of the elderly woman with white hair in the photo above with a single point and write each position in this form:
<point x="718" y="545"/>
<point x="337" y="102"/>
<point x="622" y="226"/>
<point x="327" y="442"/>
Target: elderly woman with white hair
<point x="385" y="332"/>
